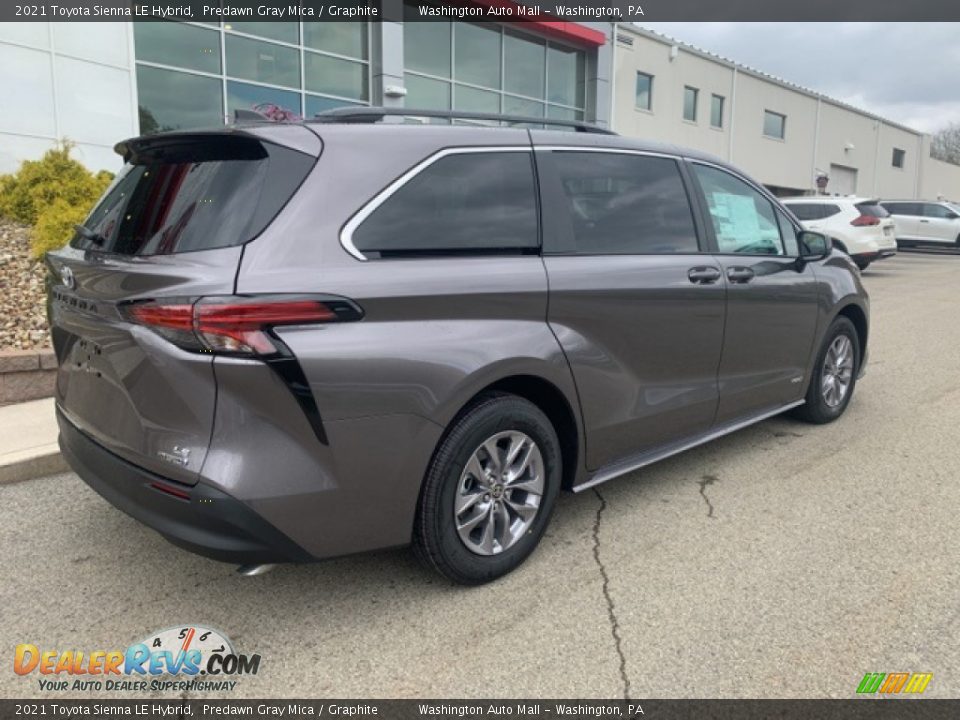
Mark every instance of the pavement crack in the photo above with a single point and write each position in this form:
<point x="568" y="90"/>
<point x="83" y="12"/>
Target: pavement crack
<point x="703" y="483"/>
<point x="611" y="608"/>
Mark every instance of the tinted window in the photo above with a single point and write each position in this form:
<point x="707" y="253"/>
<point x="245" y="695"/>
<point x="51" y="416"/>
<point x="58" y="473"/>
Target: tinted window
<point x="898" y="157"/>
<point x="830" y="210"/>
<point x="872" y="210"/>
<point x="903" y="208"/>
<point x="743" y="219"/>
<point x="806" y="211"/>
<point x="716" y="111"/>
<point x="191" y="196"/>
<point x="690" y="103"/>
<point x="626" y="204"/>
<point x="937" y="211"/>
<point x="774" y="124"/>
<point x="644" y="99"/>
<point x="460" y="203"/>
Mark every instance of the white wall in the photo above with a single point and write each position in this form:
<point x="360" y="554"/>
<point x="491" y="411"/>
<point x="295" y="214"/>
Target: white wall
<point x="820" y="133"/>
<point x="72" y="81"/>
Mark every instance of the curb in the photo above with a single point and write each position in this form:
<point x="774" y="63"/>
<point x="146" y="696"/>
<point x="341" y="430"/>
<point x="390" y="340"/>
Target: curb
<point x="30" y="468"/>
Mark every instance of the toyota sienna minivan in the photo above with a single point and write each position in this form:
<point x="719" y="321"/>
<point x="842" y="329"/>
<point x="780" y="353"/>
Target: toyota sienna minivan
<point x="286" y="342"/>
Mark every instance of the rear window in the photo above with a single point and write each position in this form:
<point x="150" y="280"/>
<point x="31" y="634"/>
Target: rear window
<point x="903" y="208"/>
<point x="177" y="196"/>
<point x="872" y="210"/>
<point x="806" y="211"/>
<point x="464" y="203"/>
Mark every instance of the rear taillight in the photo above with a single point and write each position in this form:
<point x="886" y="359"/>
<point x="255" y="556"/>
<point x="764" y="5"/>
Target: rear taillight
<point x="865" y="221"/>
<point x="237" y="325"/>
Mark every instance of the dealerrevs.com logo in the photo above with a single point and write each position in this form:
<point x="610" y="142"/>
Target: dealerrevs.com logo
<point x="189" y="657"/>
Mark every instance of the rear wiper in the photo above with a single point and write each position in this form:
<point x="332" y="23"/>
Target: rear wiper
<point x="88" y="234"/>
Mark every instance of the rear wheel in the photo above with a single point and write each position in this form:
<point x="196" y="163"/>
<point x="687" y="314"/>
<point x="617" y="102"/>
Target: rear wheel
<point x="834" y="376"/>
<point x="862" y="264"/>
<point x="489" y="491"/>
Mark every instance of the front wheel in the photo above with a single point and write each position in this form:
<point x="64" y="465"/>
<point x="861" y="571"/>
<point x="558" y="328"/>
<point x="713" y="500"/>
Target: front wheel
<point x="489" y="491"/>
<point x="834" y="375"/>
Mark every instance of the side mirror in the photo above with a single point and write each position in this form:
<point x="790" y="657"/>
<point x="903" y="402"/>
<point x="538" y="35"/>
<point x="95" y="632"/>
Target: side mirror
<point x="813" y="246"/>
<point x="952" y="216"/>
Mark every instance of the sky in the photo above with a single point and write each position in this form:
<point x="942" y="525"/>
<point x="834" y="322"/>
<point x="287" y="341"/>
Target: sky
<point x="905" y="72"/>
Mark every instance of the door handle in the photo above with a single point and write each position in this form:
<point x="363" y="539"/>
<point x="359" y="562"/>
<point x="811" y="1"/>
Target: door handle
<point x="740" y="275"/>
<point x="705" y="275"/>
<point x="924" y="221"/>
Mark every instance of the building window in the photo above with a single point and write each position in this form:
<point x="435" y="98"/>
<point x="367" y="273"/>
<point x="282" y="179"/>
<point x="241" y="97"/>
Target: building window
<point x="644" y="91"/>
<point x="774" y="125"/>
<point x="898" y="157"/>
<point x="302" y="68"/>
<point x="478" y="67"/>
<point x="716" y="111"/>
<point x="690" y="95"/>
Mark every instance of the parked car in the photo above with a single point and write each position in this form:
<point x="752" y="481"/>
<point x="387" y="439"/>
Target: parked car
<point x="858" y="226"/>
<point x="285" y="342"/>
<point x="925" y="223"/>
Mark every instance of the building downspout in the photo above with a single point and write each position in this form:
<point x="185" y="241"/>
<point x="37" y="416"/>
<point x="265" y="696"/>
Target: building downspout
<point x="613" y="78"/>
<point x="916" y="177"/>
<point x="816" y="146"/>
<point x="876" y="161"/>
<point x="733" y="114"/>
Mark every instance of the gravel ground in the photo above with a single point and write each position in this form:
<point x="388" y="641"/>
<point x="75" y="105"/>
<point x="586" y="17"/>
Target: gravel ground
<point x="23" y="315"/>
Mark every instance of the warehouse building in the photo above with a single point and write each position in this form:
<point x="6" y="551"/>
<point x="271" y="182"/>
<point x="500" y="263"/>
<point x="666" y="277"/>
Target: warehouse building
<point x="784" y="135"/>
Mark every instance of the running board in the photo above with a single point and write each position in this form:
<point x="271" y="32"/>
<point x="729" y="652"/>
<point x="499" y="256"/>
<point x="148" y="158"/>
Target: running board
<point x="649" y="457"/>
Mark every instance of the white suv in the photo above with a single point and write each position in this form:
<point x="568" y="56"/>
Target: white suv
<point x="925" y="223"/>
<point x="860" y="227"/>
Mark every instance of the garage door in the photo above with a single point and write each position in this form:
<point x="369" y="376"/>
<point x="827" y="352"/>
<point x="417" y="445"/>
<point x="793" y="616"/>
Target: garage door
<point x="843" y="180"/>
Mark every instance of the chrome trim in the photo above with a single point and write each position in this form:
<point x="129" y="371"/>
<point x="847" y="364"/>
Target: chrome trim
<point x="648" y="458"/>
<point x="618" y="151"/>
<point x="346" y="234"/>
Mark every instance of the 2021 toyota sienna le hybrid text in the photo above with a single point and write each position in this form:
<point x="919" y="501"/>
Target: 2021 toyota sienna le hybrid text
<point x="284" y="342"/>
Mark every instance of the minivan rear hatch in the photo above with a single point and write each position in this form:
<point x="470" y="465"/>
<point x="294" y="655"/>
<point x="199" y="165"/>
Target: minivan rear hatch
<point x="169" y="229"/>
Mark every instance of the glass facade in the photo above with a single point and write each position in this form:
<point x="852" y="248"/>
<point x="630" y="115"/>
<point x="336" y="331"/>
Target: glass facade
<point x="490" y="68"/>
<point x="193" y="75"/>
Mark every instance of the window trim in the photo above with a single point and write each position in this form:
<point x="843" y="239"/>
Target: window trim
<point x="903" y="158"/>
<point x="696" y="104"/>
<point x="783" y="137"/>
<point x="346" y="234"/>
<point x="723" y="102"/>
<point x="649" y="107"/>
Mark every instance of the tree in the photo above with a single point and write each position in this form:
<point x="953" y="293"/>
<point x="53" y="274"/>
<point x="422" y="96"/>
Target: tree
<point x="946" y="144"/>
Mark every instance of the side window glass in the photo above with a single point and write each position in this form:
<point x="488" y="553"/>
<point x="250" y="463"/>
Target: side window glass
<point x="742" y="218"/>
<point x="624" y="204"/>
<point x="936" y="211"/>
<point x="830" y="210"/>
<point x="462" y="203"/>
<point x="789" y="234"/>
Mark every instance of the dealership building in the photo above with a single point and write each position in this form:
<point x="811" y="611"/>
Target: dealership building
<point x="97" y="82"/>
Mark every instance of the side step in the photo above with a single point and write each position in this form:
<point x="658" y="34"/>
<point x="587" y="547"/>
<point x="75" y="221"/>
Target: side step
<point x="635" y="462"/>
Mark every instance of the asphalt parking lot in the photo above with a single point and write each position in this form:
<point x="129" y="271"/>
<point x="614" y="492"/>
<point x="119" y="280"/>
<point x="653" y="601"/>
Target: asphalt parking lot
<point x="785" y="560"/>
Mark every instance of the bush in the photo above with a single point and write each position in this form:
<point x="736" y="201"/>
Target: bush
<point x="54" y="226"/>
<point x="51" y="194"/>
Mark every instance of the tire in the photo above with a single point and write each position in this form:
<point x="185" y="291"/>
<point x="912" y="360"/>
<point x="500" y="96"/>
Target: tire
<point x="818" y="408"/>
<point x="839" y="246"/>
<point x="862" y="264"/>
<point x="472" y="560"/>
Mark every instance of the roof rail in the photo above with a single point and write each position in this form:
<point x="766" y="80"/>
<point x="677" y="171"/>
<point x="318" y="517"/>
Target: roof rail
<point x="376" y="114"/>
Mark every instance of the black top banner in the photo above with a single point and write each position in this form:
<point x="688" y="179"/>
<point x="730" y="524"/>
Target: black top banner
<point x="480" y="10"/>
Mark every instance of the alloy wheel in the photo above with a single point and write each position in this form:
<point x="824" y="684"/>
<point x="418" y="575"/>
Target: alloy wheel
<point x="499" y="493"/>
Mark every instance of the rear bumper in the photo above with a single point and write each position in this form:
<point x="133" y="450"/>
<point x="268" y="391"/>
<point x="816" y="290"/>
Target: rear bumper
<point x="198" y="518"/>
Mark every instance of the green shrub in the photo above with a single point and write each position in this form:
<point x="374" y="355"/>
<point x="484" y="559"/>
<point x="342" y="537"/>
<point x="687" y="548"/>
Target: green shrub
<point x="54" y="226"/>
<point x="51" y="194"/>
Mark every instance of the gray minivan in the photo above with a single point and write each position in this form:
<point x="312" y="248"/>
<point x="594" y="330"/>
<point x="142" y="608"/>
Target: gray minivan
<point x="285" y="342"/>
